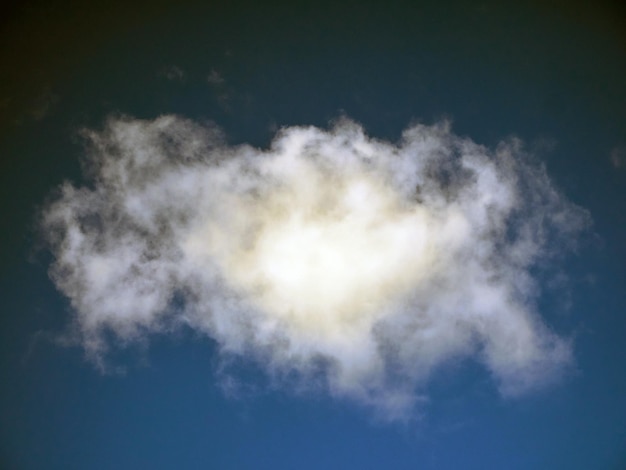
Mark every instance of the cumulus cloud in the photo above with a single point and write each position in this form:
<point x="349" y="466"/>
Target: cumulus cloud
<point x="331" y="256"/>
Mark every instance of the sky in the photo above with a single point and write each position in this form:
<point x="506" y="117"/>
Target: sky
<point x="313" y="235"/>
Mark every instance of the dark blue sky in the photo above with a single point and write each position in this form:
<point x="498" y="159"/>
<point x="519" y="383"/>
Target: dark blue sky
<point x="551" y="75"/>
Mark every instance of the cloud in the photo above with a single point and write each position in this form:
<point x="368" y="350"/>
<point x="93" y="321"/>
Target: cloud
<point x="215" y="78"/>
<point x="332" y="257"/>
<point x="36" y="109"/>
<point x="173" y="73"/>
<point x="618" y="156"/>
<point x="44" y="104"/>
<point x="224" y="93"/>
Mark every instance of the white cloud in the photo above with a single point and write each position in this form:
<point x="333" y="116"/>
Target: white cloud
<point x="330" y="255"/>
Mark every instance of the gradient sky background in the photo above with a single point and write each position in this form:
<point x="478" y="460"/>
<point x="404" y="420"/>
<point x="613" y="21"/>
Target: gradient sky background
<point x="552" y="75"/>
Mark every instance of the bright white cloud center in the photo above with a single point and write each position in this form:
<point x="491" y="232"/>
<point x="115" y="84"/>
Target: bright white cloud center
<point x="381" y="260"/>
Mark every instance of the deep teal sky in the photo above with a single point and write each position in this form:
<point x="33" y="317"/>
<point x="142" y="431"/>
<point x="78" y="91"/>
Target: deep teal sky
<point x="554" y="76"/>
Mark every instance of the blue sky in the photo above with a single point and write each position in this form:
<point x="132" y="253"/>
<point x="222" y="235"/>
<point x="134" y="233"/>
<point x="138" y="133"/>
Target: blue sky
<point x="185" y="394"/>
